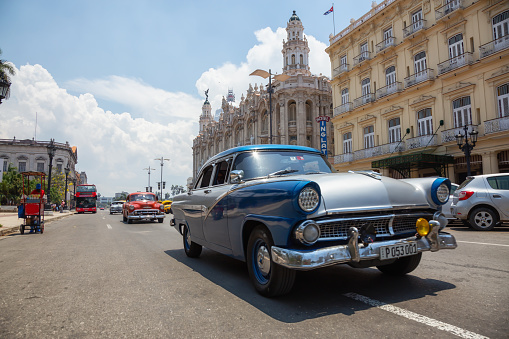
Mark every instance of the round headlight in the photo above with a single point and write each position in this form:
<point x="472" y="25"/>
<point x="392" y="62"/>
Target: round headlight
<point x="308" y="199"/>
<point x="443" y="193"/>
<point x="307" y="233"/>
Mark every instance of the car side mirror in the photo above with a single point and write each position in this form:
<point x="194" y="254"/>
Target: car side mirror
<point x="236" y="176"/>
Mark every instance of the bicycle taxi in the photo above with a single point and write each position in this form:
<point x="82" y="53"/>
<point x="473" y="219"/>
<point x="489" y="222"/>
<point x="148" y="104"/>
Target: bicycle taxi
<point x="32" y="204"/>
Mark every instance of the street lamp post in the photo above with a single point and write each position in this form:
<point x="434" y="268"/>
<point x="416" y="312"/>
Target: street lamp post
<point x="270" y="89"/>
<point x="51" y="153"/>
<point x="162" y="184"/>
<point x="4" y="89"/>
<point x="467" y="147"/>
<point x="67" y="170"/>
<point x="149" y="189"/>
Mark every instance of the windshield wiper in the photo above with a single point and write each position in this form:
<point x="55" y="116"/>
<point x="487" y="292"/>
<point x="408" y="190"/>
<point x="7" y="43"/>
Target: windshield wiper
<point x="317" y="172"/>
<point x="281" y="172"/>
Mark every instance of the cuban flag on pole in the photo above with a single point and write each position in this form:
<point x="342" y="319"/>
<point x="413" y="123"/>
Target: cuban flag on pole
<point x="329" y="11"/>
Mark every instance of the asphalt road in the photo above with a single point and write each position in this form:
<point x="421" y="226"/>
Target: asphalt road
<point x="94" y="276"/>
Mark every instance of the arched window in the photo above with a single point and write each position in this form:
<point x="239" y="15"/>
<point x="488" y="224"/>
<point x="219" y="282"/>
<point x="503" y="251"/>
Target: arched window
<point x="292" y="111"/>
<point x="347" y="142"/>
<point x="369" y="136"/>
<point x="345" y="97"/>
<point x="309" y="113"/>
<point x="301" y="59"/>
<point x="394" y="130"/>
<point x="456" y="46"/>
<point x="462" y="112"/>
<point x="293" y="59"/>
<point x="503" y="100"/>
<point x="390" y="75"/>
<point x="425" y="122"/>
<point x="420" y="62"/>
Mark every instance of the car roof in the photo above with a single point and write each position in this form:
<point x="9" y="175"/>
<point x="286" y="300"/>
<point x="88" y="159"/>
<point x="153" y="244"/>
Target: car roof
<point x="265" y="147"/>
<point x="142" y="193"/>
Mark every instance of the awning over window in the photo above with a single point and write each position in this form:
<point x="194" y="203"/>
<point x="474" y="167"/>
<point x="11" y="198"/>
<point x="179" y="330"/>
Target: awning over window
<point x="405" y="163"/>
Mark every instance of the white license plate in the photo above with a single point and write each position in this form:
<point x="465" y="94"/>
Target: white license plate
<point x="398" y="250"/>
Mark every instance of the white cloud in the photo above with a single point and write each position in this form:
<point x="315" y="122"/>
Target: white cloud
<point x="112" y="148"/>
<point x="264" y="55"/>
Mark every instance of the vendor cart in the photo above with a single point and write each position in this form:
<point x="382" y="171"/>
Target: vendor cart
<point x="32" y="203"/>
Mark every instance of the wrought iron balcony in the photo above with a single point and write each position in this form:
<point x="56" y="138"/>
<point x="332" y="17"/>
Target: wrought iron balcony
<point x="361" y="57"/>
<point x="422" y="141"/>
<point x="379" y="150"/>
<point x="341" y="158"/>
<point x="414" y="28"/>
<point x="347" y="107"/>
<point x="456" y="62"/>
<point x="496" y="125"/>
<point x="341" y="69"/>
<point x="389" y="89"/>
<point x="363" y="100"/>
<point x="494" y="46"/>
<point x="450" y="134"/>
<point x="425" y="75"/>
<point x="448" y="8"/>
<point x="389" y="42"/>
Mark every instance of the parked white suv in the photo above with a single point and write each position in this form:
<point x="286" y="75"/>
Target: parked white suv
<point x="482" y="201"/>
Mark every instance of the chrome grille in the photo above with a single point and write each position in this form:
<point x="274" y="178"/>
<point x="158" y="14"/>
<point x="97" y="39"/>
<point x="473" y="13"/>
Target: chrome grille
<point x="385" y="225"/>
<point x="145" y="212"/>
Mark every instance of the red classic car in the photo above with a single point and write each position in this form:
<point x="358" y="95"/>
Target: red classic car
<point x="142" y="206"/>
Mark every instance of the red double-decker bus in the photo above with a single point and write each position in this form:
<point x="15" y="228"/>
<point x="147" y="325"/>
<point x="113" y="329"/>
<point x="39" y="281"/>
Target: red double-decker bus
<point x="86" y="198"/>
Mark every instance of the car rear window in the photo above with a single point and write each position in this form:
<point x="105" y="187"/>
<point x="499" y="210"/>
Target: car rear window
<point x="465" y="183"/>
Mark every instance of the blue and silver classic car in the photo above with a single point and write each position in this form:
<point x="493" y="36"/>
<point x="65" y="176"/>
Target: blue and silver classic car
<point x="284" y="208"/>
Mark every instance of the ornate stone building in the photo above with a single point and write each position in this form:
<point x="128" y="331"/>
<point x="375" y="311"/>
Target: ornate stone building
<point x="296" y="103"/>
<point x="410" y="75"/>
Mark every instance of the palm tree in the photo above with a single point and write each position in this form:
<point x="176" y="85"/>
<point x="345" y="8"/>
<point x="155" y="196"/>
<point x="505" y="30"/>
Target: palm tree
<point x="6" y="70"/>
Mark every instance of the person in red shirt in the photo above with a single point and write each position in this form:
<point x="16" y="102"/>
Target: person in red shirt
<point x="38" y="190"/>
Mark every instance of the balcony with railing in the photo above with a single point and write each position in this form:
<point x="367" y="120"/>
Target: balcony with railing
<point x="363" y="100"/>
<point x="395" y="87"/>
<point x="366" y="55"/>
<point x="379" y="150"/>
<point x="346" y="107"/>
<point x="450" y="134"/>
<point x="389" y="42"/>
<point x="494" y="46"/>
<point x="496" y="125"/>
<point x="450" y="7"/>
<point x="342" y="158"/>
<point x="414" y="28"/>
<point x="456" y="62"/>
<point x="339" y="70"/>
<point x="422" y="76"/>
<point x="422" y="141"/>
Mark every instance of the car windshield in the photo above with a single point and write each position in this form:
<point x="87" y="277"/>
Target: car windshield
<point x="264" y="163"/>
<point x="137" y="197"/>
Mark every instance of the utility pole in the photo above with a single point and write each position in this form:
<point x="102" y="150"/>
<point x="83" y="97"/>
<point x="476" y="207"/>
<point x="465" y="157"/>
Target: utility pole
<point x="162" y="183"/>
<point x="149" y="189"/>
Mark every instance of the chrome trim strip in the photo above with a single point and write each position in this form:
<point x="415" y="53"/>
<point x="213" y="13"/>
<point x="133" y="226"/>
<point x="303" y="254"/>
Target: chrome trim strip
<point x="308" y="260"/>
<point x="375" y="209"/>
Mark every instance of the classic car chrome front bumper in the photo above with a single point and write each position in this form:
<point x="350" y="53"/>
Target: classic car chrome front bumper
<point x="355" y="252"/>
<point x="145" y="215"/>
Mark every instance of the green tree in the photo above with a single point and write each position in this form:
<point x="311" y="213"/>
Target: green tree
<point x="57" y="187"/>
<point x="6" y="71"/>
<point x="11" y="186"/>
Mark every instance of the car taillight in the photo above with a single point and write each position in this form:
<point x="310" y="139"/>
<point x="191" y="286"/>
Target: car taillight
<point x="464" y="195"/>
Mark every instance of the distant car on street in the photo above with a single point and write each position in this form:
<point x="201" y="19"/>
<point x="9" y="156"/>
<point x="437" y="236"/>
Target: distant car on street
<point x="116" y="207"/>
<point x="482" y="201"/>
<point x="167" y="206"/>
<point x="282" y="208"/>
<point x="142" y="206"/>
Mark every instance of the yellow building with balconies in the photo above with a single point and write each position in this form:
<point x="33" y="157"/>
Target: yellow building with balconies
<point x="409" y="76"/>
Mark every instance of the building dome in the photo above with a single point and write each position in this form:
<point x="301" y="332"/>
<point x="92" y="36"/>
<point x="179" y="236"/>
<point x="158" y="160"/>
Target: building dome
<point x="294" y="17"/>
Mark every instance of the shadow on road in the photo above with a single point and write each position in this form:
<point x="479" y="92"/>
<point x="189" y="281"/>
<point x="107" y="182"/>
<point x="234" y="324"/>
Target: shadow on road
<point x="316" y="293"/>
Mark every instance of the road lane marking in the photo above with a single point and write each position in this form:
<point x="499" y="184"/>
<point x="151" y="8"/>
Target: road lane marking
<point x="109" y="226"/>
<point x="414" y="316"/>
<point x="481" y="243"/>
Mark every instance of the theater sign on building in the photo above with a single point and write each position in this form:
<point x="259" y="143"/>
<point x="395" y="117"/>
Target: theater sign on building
<point x="408" y="77"/>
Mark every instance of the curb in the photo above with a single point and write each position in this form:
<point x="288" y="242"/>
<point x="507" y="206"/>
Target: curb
<point x="16" y="228"/>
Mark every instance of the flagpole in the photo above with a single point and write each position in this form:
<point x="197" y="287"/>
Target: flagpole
<point x="333" y="22"/>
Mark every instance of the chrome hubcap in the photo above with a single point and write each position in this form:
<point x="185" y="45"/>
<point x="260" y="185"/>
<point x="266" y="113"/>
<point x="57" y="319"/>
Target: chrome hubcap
<point x="483" y="219"/>
<point x="263" y="260"/>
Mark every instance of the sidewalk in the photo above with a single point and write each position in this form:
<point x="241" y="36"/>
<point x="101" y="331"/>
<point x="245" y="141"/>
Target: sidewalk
<point x="10" y="222"/>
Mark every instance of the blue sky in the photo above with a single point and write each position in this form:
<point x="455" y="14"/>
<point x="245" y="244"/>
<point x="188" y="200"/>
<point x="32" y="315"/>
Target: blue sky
<point x="131" y="75"/>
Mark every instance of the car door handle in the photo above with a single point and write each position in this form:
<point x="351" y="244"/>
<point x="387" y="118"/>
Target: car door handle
<point x="207" y="191"/>
<point x="497" y="196"/>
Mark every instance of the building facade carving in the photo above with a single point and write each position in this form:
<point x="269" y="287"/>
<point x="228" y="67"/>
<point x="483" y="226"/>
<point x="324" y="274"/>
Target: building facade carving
<point x="296" y="103"/>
